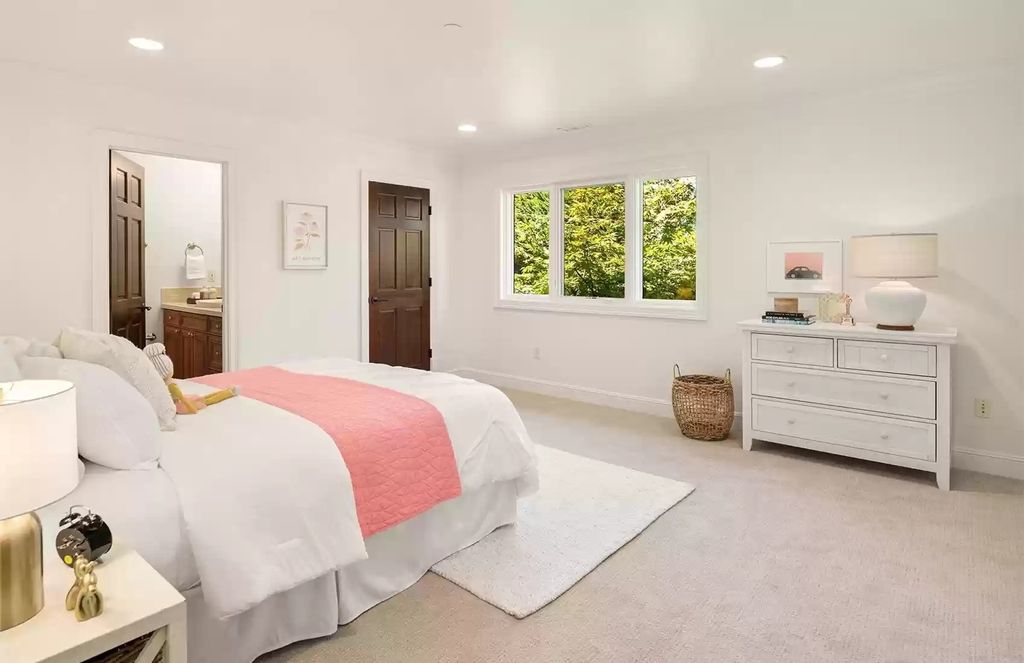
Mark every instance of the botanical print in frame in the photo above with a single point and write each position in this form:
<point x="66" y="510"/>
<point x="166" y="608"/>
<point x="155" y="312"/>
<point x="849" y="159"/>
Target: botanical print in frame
<point x="304" y="236"/>
<point x="808" y="267"/>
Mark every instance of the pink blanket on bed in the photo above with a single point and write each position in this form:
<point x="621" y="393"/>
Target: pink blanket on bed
<point x="396" y="446"/>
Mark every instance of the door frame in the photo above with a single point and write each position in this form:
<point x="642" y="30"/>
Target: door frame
<point x="389" y="177"/>
<point x="102" y="143"/>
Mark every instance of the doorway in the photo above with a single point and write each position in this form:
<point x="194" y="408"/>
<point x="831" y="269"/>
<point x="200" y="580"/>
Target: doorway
<point x="166" y="234"/>
<point x="399" y="275"/>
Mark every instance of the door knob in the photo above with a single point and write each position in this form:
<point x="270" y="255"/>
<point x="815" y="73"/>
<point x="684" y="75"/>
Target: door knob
<point x="145" y="308"/>
<point x="374" y="300"/>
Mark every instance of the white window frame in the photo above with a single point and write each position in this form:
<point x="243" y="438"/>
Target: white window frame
<point x="633" y="304"/>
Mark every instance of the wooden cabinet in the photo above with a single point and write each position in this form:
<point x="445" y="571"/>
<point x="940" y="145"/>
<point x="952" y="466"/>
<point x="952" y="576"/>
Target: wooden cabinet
<point x="194" y="343"/>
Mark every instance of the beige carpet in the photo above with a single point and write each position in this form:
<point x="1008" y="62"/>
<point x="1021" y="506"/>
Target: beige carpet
<point x="781" y="555"/>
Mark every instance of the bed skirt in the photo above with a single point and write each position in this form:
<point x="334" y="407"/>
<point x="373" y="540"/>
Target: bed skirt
<point x="398" y="558"/>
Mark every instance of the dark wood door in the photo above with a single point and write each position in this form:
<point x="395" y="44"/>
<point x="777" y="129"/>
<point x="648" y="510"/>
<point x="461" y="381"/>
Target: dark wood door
<point x="399" y="264"/>
<point x="127" y="250"/>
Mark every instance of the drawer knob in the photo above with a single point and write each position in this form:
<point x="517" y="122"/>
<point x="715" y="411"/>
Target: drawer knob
<point x="791" y="384"/>
<point x="884" y="357"/>
<point x="885" y="436"/>
<point x="884" y="396"/>
<point x="791" y="421"/>
<point x="789" y="349"/>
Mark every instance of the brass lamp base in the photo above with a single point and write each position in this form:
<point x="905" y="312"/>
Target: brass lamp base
<point x="21" y="569"/>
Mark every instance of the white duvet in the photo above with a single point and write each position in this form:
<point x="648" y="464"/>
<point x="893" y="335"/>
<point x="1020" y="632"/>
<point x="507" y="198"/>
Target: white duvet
<point x="266" y="496"/>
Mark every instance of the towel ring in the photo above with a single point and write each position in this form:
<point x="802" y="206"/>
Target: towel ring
<point x="192" y="245"/>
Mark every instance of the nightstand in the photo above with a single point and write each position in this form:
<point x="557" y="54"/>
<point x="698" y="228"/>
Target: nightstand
<point x="138" y="603"/>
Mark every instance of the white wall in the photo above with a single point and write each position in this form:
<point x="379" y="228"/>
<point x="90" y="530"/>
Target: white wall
<point x="48" y="131"/>
<point x="939" y="156"/>
<point x="183" y="204"/>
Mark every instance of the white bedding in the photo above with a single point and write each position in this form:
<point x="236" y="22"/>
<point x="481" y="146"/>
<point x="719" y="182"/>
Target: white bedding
<point x="141" y="507"/>
<point x="267" y="498"/>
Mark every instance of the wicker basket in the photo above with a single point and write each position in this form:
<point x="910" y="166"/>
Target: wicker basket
<point x="703" y="405"/>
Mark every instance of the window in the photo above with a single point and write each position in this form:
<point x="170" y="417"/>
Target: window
<point x="594" y="230"/>
<point x="627" y="245"/>
<point x="670" y="238"/>
<point x="530" y="212"/>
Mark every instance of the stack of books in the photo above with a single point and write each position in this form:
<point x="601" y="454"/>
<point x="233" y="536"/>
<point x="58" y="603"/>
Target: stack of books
<point x="784" y="318"/>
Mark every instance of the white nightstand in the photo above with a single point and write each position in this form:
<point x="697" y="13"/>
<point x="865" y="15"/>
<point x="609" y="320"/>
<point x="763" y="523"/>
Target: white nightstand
<point x="138" y="601"/>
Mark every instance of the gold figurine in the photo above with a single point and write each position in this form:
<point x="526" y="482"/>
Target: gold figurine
<point x="84" y="597"/>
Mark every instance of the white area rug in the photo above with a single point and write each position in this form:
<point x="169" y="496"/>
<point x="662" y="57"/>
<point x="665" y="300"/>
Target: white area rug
<point x="584" y="512"/>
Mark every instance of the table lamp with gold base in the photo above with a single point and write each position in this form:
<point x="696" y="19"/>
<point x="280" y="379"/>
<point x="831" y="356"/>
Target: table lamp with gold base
<point x="38" y="465"/>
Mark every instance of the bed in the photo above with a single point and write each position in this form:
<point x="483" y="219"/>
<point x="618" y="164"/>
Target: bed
<point x="243" y="472"/>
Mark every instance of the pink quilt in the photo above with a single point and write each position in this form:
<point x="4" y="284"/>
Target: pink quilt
<point x="396" y="446"/>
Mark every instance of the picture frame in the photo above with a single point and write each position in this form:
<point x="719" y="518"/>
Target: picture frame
<point x="833" y="307"/>
<point x="804" y="267"/>
<point x="304" y="230"/>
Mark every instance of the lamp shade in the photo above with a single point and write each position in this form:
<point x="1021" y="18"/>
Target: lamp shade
<point x="38" y="445"/>
<point x="910" y="256"/>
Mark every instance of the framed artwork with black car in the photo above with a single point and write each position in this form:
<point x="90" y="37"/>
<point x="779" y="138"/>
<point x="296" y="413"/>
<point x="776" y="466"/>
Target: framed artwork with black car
<point x="804" y="267"/>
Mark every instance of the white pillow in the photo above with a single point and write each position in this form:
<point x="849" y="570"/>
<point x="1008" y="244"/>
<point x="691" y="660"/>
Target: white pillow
<point x="29" y="346"/>
<point x="9" y="371"/>
<point x="116" y="426"/>
<point x="121" y="356"/>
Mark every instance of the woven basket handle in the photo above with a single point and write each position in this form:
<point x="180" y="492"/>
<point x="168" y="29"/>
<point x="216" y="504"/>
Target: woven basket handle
<point x="728" y="376"/>
<point x="675" y="371"/>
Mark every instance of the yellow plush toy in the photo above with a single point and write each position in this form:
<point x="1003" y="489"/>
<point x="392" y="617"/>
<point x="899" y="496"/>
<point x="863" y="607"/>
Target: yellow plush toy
<point x="185" y="404"/>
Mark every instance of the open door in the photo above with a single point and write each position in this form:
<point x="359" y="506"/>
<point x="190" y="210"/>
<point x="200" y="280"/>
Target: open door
<point x="127" y="250"/>
<point x="399" y="264"/>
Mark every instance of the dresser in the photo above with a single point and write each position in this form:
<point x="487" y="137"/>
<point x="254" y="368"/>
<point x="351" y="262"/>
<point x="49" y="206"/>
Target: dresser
<point x="856" y="391"/>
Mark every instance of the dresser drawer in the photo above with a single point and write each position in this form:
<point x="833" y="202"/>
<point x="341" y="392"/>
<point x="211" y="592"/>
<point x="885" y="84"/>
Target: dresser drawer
<point x="901" y="358"/>
<point x="915" y="398"/>
<point x="910" y="439"/>
<point x="808" y="351"/>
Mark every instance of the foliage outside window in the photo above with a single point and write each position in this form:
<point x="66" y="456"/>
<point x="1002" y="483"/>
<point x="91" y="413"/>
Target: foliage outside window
<point x="670" y="238"/>
<point x="532" y="232"/>
<point x="594" y="222"/>
<point x="626" y="245"/>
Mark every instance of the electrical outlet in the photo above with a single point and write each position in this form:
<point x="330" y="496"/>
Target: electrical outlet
<point x="982" y="408"/>
<point x="211" y="277"/>
<point x="536" y="353"/>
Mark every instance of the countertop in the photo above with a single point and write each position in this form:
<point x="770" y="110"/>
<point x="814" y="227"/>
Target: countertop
<point x="192" y="308"/>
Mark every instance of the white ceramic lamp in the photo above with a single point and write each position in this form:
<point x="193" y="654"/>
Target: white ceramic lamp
<point x="895" y="303"/>
<point x="38" y="465"/>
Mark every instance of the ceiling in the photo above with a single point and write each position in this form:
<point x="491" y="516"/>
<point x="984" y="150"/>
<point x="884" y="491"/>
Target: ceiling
<point x="519" y="68"/>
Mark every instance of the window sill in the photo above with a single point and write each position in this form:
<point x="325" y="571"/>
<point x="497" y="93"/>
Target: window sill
<point x="603" y="307"/>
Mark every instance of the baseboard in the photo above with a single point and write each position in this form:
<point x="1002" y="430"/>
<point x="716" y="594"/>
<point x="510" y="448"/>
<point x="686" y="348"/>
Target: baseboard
<point x="644" y="404"/>
<point x="989" y="462"/>
<point x="964" y="458"/>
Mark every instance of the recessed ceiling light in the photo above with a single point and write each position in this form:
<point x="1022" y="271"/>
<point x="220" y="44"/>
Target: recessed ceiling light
<point x="769" y="61"/>
<point x="146" y="44"/>
<point x="467" y="128"/>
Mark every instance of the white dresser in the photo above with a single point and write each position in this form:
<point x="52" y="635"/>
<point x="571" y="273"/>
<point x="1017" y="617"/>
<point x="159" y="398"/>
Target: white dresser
<point x="856" y="391"/>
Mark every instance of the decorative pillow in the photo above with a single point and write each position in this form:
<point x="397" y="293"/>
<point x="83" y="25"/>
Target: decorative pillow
<point x="9" y="371"/>
<point x="116" y="426"/>
<point x="119" y="355"/>
<point x="29" y="346"/>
